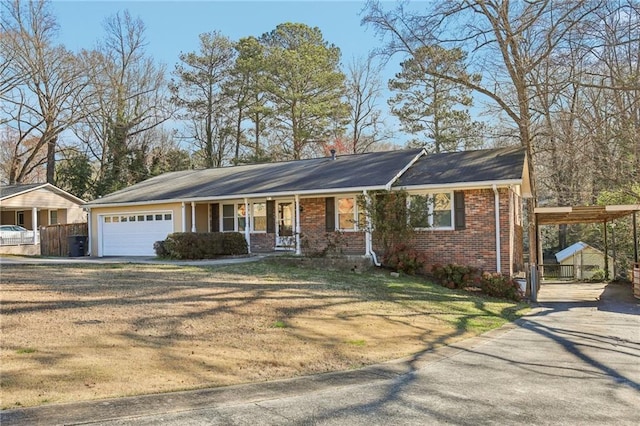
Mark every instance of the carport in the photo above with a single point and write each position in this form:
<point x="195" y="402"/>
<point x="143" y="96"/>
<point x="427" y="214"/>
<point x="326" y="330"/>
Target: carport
<point x="585" y="214"/>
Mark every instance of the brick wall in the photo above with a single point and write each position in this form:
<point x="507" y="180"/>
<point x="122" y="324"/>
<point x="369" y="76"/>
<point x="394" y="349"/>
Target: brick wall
<point x="473" y="246"/>
<point x="316" y="239"/>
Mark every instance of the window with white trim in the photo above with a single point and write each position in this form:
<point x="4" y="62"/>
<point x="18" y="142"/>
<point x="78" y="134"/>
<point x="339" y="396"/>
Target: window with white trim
<point x="348" y="215"/>
<point x="53" y="217"/>
<point x="259" y="217"/>
<point x="234" y="217"/>
<point x="228" y="218"/>
<point x="431" y="210"/>
<point x="242" y="217"/>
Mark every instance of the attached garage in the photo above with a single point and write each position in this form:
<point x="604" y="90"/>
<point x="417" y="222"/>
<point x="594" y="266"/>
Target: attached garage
<point x="133" y="234"/>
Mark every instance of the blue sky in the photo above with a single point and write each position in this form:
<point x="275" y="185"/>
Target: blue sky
<point x="174" y="26"/>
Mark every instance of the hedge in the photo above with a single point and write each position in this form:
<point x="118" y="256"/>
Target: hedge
<point x="209" y="245"/>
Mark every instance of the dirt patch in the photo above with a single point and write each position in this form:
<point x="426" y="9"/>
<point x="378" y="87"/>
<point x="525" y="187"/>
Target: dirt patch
<point x="78" y="333"/>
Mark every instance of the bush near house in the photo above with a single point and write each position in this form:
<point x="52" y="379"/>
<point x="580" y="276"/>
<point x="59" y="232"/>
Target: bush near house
<point x="491" y="284"/>
<point x="403" y="258"/>
<point x="210" y="245"/>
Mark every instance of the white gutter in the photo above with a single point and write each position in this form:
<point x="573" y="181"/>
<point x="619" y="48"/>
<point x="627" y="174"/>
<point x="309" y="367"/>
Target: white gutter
<point x="404" y="169"/>
<point x="464" y="185"/>
<point x="496" y="197"/>
<point x="241" y="196"/>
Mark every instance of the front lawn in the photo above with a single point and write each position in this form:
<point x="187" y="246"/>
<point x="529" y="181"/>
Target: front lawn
<point x="73" y="333"/>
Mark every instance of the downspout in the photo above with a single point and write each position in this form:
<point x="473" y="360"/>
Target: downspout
<point x="496" y="198"/>
<point x="247" y="234"/>
<point x="512" y="228"/>
<point x="184" y="217"/>
<point x="298" y="248"/>
<point x="368" y="237"/>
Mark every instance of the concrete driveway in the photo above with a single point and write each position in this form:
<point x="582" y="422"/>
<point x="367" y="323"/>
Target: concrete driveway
<point x="575" y="360"/>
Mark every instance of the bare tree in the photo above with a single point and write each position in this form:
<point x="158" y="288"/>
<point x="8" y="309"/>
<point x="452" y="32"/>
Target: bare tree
<point x="128" y="98"/>
<point x="41" y="84"/>
<point x="366" y="128"/>
<point x="504" y="41"/>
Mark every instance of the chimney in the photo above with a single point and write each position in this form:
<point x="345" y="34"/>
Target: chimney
<point x="333" y="154"/>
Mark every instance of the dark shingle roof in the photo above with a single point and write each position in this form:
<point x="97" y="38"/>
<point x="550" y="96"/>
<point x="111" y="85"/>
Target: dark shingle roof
<point x="370" y="170"/>
<point x="7" y="191"/>
<point x="485" y="165"/>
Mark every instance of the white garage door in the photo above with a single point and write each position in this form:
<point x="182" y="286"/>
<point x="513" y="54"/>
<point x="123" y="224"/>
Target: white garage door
<point x="133" y="234"/>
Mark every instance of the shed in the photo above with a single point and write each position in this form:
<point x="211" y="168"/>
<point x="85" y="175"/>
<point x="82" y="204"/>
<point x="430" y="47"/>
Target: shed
<point x="583" y="258"/>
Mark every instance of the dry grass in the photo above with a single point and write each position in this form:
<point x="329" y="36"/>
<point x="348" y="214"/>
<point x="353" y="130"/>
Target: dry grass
<point x="77" y="333"/>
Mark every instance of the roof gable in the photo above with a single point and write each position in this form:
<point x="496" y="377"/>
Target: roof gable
<point x="570" y="251"/>
<point x="10" y="191"/>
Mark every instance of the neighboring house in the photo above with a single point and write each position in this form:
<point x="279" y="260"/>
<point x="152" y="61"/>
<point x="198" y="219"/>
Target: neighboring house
<point x="300" y="205"/>
<point x="40" y="204"/>
<point x="583" y="259"/>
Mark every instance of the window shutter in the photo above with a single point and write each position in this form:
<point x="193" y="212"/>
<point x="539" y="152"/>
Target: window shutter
<point x="330" y="214"/>
<point x="459" y="210"/>
<point x="271" y="217"/>
<point x="215" y="217"/>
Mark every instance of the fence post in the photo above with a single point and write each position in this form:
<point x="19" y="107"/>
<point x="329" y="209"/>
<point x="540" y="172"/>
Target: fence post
<point x="533" y="280"/>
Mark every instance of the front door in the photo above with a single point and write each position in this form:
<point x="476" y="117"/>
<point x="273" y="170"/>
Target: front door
<point x="285" y="239"/>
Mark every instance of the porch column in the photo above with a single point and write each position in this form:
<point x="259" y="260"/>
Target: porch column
<point x="184" y="217"/>
<point x="247" y="224"/>
<point x="34" y="224"/>
<point x="193" y="217"/>
<point x="298" y="249"/>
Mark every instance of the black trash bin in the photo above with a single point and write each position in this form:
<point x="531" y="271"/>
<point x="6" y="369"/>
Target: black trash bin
<point x="77" y="245"/>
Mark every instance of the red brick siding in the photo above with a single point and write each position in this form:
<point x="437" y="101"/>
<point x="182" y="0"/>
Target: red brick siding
<point x="263" y="243"/>
<point x="474" y="245"/>
<point x="314" y="236"/>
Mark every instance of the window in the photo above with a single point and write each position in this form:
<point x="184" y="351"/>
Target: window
<point x="431" y="210"/>
<point x="167" y="216"/>
<point x="107" y="219"/>
<point x="53" y="217"/>
<point x="348" y="216"/>
<point x="141" y="218"/>
<point x="259" y="217"/>
<point x="442" y="210"/>
<point x="149" y="217"/>
<point x="242" y="220"/>
<point x="346" y="213"/>
<point x="20" y="218"/>
<point x="228" y="218"/>
<point x="158" y="217"/>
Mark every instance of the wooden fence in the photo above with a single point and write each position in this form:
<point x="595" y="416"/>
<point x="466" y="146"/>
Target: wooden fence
<point x="54" y="239"/>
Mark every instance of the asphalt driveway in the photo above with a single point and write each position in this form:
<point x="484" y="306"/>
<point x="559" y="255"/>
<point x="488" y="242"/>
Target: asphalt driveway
<point x="575" y="360"/>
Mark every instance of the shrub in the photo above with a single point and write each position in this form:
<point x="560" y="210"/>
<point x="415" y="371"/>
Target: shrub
<point x="456" y="276"/>
<point x="598" y="275"/>
<point x="499" y="285"/>
<point x="160" y="249"/>
<point x="403" y="258"/>
<point x="188" y="245"/>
